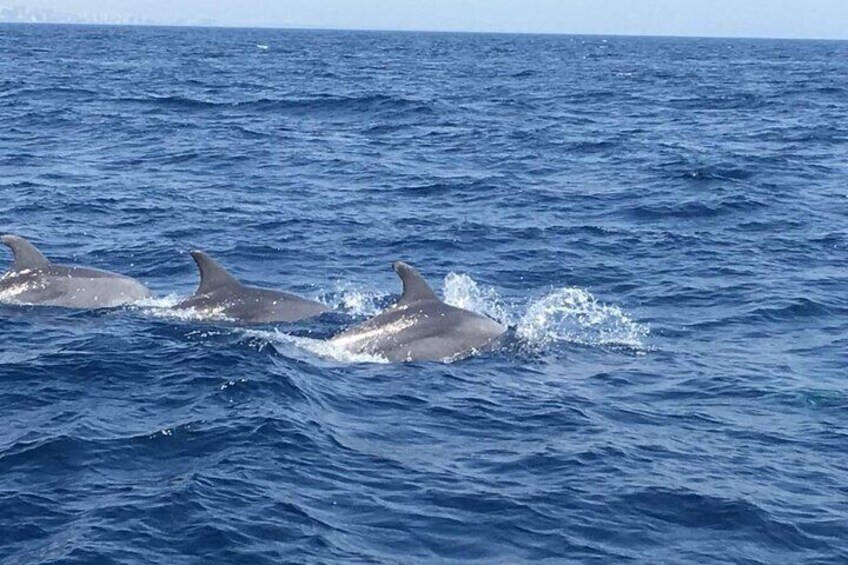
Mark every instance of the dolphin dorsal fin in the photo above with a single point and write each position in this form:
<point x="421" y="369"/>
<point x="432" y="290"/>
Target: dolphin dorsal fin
<point x="415" y="288"/>
<point x="27" y="256"/>
<point x="212" y="275"/>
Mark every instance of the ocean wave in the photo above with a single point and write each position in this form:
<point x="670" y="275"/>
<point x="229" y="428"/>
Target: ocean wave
<point x="692" y="169"/>
<point x="732" y="101"/>
<point x="51" y="92"/>
<point x="695" y="209"/>
<point x="375" y="103"/>
<point x="784" y="310"/>
<point x="690" y="509"/>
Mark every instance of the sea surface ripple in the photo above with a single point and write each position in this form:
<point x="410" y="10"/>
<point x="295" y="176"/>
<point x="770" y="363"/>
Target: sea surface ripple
<point x="663" y="223"/>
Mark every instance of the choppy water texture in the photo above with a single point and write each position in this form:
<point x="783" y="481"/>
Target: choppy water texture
<point x="662" y="222"/>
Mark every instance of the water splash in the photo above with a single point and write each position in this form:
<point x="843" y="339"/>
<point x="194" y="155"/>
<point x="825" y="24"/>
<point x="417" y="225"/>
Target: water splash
<point x="462" y="291"/>
<point x="8" y="294"/>
<point x="159" y="302"/>
<point x="163" y="307"/>
<point x="567" y="315"/>
<point x="319" y="347"/>
<point x="574" y="315"/>
<point x="11" y="292"/>
<point x="355" y="301"/>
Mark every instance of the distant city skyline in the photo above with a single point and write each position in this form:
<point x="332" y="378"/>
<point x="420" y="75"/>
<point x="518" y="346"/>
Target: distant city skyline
<point x="824" y="19"/>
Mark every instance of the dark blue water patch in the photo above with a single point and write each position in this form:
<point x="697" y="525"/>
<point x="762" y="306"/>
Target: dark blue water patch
<point x="735" y="101"/>
<point x="321" y="105"/>
<point x="697" y="210"/>
<point x="740" y="518"/>
<point x="659" y="221"/>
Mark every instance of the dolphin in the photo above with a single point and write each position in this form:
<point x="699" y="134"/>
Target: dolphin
<point x="420" y="327"/>
<point x="220" y="293"/>
<point x="34" y="280"/>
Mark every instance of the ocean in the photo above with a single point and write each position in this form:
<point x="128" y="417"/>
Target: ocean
<point x="661" y="222"/>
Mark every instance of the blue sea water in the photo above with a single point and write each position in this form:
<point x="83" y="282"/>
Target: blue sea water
<point x="661" y="222"/>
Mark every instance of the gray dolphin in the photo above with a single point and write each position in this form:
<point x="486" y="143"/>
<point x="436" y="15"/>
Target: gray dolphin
<point x="420" y="327"/>
<point x="35" y="280"/>
<point x="220" y="293"/>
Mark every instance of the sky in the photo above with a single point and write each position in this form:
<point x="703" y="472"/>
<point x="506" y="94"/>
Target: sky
<point x="726" y="18"/>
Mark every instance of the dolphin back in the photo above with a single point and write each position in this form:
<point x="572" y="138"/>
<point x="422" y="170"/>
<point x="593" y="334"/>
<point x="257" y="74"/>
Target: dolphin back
<point x="213" y="277"/>
<point x="415" y="288"/>
<point x="34" y="280"/>
<point x="420" y="327"/>
<point x="26" y="255"/>
<point x="220" y="293"/>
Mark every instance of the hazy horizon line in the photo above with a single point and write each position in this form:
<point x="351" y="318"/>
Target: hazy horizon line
<point x="303" y="27"/>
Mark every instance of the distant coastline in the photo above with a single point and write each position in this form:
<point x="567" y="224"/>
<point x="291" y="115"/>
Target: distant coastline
<point x="25" y="15"/>
<point x="28" y="15"/>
